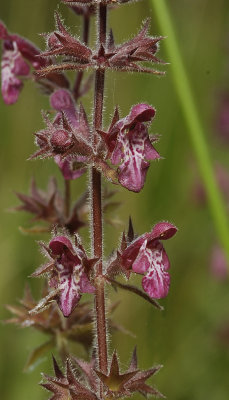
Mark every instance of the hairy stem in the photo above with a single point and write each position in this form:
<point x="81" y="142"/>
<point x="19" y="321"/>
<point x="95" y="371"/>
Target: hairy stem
<point x="79" y="77"/>
<point x="197" y="136"/>
<point x="67" y="197"/>
<point x="96" y="206"/>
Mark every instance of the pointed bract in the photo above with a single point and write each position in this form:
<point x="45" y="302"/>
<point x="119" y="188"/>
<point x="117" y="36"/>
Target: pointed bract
<point x="67" y="387"/>
<point x="120" y="385"/>
<point x="125" y="57"/>
<point x="49" y="206"/>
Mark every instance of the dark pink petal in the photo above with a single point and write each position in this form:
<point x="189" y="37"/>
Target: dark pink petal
<point x="13" y="66"/>
<point x="66" y="166"/>
<point x="132" y="174"/>
<point x="130" y="146"/>
<point x="133" y="166"/>
<point x="59" y="243"/>
<point x="165" y="260"/>
<point x="135" y="147"/>
<point x="161" y="231"/>
<point x="69" y="285"/>
<point x="20" y="67"/>
<point x="66" y="272"/>
<point x="143" y="260"/>
<point x="27" y="49"/>
<point x="139" y="113"/>
<point x="156" y="284"/>
<point x="157" y="280"/>
<point x="117" y="154"/>
<point x="61" y="100"/>
<point x="11" y="88"/>
<point x="85" y="285"/>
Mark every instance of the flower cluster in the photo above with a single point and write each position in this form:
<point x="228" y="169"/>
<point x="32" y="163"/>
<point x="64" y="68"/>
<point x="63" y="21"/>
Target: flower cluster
<point x="117" y="385"/>
<point x="126" y="143"/>
<point x="128" y="56"/>
<point x="70" y="271"/>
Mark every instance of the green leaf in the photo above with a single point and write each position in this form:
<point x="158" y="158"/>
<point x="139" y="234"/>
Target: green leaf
<point x="36" y="355"/>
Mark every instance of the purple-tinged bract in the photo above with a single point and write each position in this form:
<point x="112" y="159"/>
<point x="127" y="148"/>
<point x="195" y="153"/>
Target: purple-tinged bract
<point x="66" y="137"/>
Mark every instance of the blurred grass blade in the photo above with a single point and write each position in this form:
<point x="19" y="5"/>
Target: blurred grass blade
<point x="188" y="107"/>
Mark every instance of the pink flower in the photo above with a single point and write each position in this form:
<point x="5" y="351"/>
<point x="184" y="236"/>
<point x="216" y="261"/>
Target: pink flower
<point x="68" y="275"/>
<point x="17" y="52"/>
<point x="130" y="146"/>
<point x="146" y="255"/>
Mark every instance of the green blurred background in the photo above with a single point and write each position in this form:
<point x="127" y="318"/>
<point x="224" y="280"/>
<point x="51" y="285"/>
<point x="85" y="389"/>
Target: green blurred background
<point x="184" y="337"/>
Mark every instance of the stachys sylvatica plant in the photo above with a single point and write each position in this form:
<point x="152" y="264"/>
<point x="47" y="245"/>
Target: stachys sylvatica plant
<point x="120" y="153"/>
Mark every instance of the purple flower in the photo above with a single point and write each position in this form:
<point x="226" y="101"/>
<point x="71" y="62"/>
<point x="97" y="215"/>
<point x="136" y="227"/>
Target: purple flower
<point x="17" y="52"/>
<point x="130" y="146"/>
<point x="146" y="255"/>
<point x="68" y="274"/>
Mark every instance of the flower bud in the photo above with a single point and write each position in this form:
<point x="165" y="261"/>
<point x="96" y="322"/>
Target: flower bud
<point x="60" y="140"/>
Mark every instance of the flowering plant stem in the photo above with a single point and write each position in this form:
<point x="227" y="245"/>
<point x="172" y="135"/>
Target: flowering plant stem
<point x="67" y="190"/>
<point x="122" y="154"/>
<point x="96" y="199"/>
<point x="187" y="104"/>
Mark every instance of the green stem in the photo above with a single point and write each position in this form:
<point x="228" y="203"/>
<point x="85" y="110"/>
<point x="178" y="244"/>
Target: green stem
<point x="188" y="107"/>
